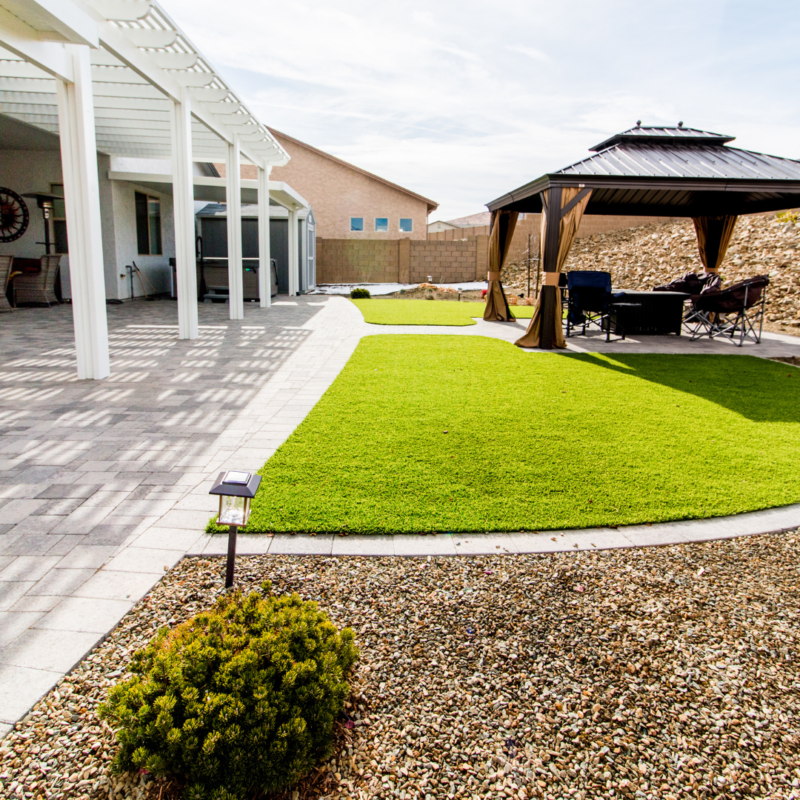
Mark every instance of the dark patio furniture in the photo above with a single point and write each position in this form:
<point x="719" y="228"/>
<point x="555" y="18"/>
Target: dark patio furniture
<point x="647" y="313"/>
<point x="735" y="313"/>
<point x="695" y="285"/>
<point x="5" y="272"/>
<point x="38" y="287"/>
<point x="588" y="298"/>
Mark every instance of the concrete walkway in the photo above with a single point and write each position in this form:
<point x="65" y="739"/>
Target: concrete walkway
<point x="104" y="486"/>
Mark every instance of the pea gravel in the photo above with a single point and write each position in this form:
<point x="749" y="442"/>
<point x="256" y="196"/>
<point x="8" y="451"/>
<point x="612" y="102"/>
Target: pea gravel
<point x="641" y="673"/>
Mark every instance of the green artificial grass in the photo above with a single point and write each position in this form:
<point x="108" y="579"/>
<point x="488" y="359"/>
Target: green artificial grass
<point x="427" y="312"/>
<point x="453" y="433"/>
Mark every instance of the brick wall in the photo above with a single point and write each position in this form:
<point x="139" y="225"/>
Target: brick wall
<point x="404" y="261"/>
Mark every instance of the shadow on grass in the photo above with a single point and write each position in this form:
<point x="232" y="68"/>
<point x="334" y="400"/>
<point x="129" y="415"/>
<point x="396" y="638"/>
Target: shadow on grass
<point x="757" y="389"/>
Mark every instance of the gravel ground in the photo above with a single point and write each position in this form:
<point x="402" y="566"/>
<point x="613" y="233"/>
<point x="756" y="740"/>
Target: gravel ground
<point x="663" y="673"/>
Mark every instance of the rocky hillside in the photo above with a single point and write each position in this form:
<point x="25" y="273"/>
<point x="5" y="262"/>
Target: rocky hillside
<point x="641" y="258"/>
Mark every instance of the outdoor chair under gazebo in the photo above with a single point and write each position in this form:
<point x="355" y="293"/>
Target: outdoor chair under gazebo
<point x="675" y="172"/>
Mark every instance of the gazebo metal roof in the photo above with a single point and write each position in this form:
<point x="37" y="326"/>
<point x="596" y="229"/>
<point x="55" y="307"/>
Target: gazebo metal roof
<point x="670" y="172"/>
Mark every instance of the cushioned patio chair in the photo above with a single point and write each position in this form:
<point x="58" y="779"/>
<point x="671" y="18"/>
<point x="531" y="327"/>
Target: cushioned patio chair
<point x="735" y="313"/>
<point x="5" y="272"/>
<point x="588" y="299"/>
<point x="38" y="289"/>
<point x="695" y="285"/>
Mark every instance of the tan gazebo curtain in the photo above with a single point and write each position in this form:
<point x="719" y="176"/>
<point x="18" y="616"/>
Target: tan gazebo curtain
<point x="573" y="204"/>
<point x="713" y="237"/>
<point x="503" y="224"/>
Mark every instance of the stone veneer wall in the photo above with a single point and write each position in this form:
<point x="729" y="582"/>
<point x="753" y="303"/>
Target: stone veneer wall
<point x="404" y="260"/>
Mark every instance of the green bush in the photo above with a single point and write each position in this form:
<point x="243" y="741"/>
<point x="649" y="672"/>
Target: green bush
<point x="239" y="699"/>
<point x="360" y="294"/>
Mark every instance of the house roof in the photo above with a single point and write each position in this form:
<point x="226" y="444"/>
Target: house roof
<point x="670" y="171"/>
<point x="432" y="205"/>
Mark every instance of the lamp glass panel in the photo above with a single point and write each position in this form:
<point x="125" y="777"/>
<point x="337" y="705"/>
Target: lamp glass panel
<point x="233" y="510"/>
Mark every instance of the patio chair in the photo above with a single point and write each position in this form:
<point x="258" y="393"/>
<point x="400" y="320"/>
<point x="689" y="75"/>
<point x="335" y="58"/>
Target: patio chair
<point x="588" y="299"/>
<point x="735" y="313"/>
<point x="695" y="285"/>
<point x="39" y="288"/>
<point x="5" y="272"/>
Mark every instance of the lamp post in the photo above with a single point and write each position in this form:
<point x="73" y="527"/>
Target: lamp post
<point x="235" y="489"/>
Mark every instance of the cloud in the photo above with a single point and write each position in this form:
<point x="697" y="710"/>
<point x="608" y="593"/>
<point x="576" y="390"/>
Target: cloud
<point x="530" y="52"/>
<point x="450" y="101"/>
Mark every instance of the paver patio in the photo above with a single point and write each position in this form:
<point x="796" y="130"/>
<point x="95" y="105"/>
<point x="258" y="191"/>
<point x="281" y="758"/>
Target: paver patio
<point x="104" y="485"/>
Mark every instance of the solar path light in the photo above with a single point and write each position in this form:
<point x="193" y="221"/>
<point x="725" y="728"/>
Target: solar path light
<point x="235" y="489"/>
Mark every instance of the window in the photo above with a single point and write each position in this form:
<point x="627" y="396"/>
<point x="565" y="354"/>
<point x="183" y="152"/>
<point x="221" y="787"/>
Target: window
<point x="357" y="224"/>
<point x="148" y="225"/>
<point x="406" y="225"/>
<point x="382" y="224"/>
<point x="59" y="219"/>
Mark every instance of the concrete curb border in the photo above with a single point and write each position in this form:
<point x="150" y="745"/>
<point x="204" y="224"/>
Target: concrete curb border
<point x="773" y="520"/>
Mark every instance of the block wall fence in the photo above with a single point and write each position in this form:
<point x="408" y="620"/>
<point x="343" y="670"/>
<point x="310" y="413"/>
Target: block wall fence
<point x="447" y="256"/>
<point x="402" y="260"/>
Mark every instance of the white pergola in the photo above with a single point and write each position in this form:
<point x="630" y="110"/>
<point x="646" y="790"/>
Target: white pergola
<point x="119" y="77"/>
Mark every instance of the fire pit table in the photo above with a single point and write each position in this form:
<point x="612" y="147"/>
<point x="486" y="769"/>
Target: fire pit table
<point x="646" y="313"/>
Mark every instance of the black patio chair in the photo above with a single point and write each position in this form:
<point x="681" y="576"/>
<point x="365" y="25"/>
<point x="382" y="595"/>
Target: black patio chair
<point x="588" y="299"/>
<point x="695" y="285"/>
<point x="735" y="313"/>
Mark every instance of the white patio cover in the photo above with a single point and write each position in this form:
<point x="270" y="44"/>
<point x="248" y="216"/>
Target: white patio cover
<point x="141" y="61"/>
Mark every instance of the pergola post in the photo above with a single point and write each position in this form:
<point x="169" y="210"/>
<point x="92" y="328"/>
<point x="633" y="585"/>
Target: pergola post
<point x="234" y="198"/>
<point x="294" y="256"/>
<point x="82" y="203"/>
<point x="183" y="193"/>
<point x="551" y="304"/>
<point x="264" y="270"/>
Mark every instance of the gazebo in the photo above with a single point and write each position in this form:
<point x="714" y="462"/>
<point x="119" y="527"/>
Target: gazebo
<point x="644" y="171"/>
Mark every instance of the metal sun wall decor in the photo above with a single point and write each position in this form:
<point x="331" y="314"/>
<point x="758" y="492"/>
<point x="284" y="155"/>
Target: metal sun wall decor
<point x="14" y="216"/>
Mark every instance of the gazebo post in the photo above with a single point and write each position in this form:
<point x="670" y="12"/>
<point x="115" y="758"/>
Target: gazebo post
<point x="550" y="299"/>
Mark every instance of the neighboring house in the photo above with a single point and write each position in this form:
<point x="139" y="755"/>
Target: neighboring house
<point x="440" y="225"/>
<point x="349" y="202"/>
<point x="473" y="221"/>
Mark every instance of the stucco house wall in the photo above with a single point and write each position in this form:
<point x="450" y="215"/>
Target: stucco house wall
<point x="36" y="170"/>
<point x="338" y="191"/>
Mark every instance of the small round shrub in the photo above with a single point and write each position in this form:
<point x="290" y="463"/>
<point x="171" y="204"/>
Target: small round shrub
<point x="239" y="699"/>
<point x="360" y="294"/>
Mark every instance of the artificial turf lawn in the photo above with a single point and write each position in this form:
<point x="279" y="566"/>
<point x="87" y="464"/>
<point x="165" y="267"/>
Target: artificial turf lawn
<point x="453" y="433"/>
<point x="427" y="312"/>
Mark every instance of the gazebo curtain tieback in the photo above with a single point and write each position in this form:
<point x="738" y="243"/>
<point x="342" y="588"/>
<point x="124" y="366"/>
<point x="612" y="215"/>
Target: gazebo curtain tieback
<point x="551" y="278"/>
<point x="494" y="276"/>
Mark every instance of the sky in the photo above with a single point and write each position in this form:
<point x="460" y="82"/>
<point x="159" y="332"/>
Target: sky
<point x="464" y="101"/>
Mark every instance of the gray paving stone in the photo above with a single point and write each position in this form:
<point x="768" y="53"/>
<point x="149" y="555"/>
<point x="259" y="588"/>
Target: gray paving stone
<point x="82" y="520"/>
<point x="87" y="557"/>
<point x="300" y="544"/>
<point x="5" y="729"/>
<point x="31" y="544"/>
<point x="69" y="490"/>
<point x="37" y="524"/>
<point x="363" y="546"/>
<point x="143" y="559"/>
<point x="28" y="568"/>
<point x="17" y="510"/>
<point x="21" y="687"/>
<point x="169" y="539"/>
<point x="55" y="651"/>
<point x="11" y="592"/>
<point x="62" y="582"/>
<point x="84" y="615"/>
<point x="13" y="623"/>
<point x="43" y="603"/>
<point x="109" y="585"/>
<point x="59" y="508"/>
<point x="483" y="544"/>
<point x="433" y="545"/>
